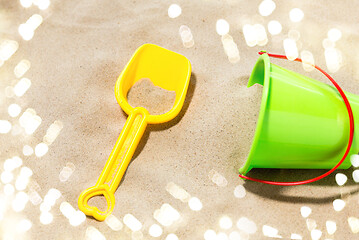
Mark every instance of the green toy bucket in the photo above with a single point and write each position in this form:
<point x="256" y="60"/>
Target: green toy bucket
<point x="302" y="123"/>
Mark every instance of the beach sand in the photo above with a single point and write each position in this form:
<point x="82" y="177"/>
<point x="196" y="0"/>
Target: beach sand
<point x="76" y="55"/>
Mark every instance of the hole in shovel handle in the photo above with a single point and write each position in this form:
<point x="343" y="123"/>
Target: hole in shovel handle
<point x="101" y="190"/>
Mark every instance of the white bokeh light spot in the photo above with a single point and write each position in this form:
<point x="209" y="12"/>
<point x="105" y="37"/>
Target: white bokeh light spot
<point x="274" y="27"/>
<point x="14" y="110"/>
<point x="338" y="205"/>
<point x="41" y="149"/>
<point x="195" y="204"/>
<point x="341" y="179"/>
<point x="334" y="34"/>
<point x="296" y="15"/>
<point x="174" y="11"/>
<point x="266" y="7"/>
<point x="225" y="222"/>
<point x="222" y="27"/>
<point x="155" y="230"/>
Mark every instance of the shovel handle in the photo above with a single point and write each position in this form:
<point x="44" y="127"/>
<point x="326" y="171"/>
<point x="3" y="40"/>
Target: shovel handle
<point x="116" y="165"/>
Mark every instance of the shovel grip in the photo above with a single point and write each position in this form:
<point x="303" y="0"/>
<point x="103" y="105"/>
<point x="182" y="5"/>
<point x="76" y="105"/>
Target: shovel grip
<point x="93" y="210"/>
<point x="116" y="165"/>
<point x="124" y="149"/>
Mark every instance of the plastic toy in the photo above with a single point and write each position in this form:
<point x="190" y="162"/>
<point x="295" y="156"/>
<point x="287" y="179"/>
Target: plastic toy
<point x="166" y="69"/>
<point x="302" y="124"/>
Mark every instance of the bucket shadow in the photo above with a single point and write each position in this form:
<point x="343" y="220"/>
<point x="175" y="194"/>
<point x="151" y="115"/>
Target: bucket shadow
<point x="278" y="193"/>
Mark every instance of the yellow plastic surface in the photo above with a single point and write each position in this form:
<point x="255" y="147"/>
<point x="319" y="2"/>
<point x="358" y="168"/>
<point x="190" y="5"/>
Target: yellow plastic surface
<point x="166" y="69"/>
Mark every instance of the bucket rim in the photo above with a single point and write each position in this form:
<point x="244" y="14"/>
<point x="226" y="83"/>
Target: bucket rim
<point x="262" y="64"/>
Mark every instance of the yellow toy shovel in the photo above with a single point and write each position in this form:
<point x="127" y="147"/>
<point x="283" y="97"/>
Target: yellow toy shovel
<point x="166" y="69"/>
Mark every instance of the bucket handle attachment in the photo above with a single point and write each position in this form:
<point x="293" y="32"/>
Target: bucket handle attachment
<point x="351" y="131"/>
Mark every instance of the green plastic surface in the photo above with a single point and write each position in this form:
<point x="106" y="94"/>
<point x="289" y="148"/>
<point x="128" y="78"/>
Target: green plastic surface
<point x="302" y="124"/>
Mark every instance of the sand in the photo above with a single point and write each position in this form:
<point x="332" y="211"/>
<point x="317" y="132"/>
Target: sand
<point x="155" y="99"/>
<point x="76" y="56"/>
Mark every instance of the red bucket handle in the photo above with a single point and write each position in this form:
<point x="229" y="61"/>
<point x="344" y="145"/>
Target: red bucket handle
<point x="351" y="131"/>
